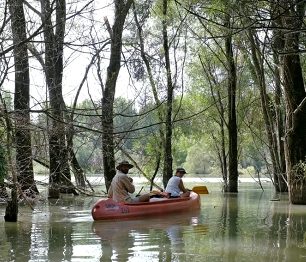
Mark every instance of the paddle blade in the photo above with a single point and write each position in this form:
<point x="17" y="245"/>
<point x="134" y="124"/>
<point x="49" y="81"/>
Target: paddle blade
<point x="200" y="189"/>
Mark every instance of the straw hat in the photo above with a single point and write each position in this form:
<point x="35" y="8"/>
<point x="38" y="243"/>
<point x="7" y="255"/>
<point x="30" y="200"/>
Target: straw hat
<point x="124" y="163"/>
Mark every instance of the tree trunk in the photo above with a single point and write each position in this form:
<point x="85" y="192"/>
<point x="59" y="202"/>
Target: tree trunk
<point x="121" y="10"/>
<point x="167" y="172"/>
<point x="221" y="152"/>
<point x="277" y="46"/>
<point x="24" y="163"/>
<point x="3" y="169"/>
<point x="232" y="122"/>
<point x="161" y="139"/>
<point x="11" y="211"/>
<point x="58" y="153"/>
<point x="281" y="183"/>
<point x="269" y="114"/>
<point x="220" y="147"/>
<point x="295" y="98"/>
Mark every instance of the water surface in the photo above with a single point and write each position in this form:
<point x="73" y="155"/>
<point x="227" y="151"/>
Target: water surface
<point x="253" y="225"/>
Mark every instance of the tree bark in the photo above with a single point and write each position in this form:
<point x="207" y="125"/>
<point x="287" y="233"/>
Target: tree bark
<point x="269" y="115"/>
<point x="232" y="121"/>
<point x="11" y="211"/>
<point x="277" y="46"/>
<point x="167" y="171"/>
<point x="121" y="10"/>
<point x="24" y="163"/>
<point x="54" y="40"/>
<point x="295" y="98"/>
<point x="3" y="169"/>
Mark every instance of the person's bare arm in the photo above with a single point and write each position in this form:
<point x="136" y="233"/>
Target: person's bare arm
<point x="182" y="187"/>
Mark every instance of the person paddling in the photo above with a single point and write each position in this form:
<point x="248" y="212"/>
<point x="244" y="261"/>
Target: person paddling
<point x="175" y="186"/>
<point x="122" y="186"/>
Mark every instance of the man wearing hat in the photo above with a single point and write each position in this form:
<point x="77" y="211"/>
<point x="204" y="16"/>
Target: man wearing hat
<point x="122" y="185"/>
<point x="175" y="186"/>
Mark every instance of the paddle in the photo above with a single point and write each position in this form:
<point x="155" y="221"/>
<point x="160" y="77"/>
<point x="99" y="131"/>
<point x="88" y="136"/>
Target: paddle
<point x="200" y="189"/>
<point x="196" y="189"/>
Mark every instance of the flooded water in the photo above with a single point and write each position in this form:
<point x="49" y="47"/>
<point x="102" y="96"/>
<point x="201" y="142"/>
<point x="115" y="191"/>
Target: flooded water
<point x="253" y="225"/>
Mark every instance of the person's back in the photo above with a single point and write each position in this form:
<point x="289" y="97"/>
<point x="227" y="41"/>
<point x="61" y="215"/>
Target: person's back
<point x="173" y="186"/>
<point x="120" y="188"/>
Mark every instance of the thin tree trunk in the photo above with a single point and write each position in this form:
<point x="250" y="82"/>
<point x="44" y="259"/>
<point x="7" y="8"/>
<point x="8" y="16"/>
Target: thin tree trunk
<point x="280" y="132"/>
<point x="278" y="45"/>
<point x="3" y="171"/>
<point x="268" y="113"/>
<point x="232" y="121"/>
<point x="11" y="212"/>
<point x="221" y="150"/>
<point x="161" y="138"/>
<point x="167" y="172"/>
<point x="121" y="10"/>
<point x="24" y="162"/>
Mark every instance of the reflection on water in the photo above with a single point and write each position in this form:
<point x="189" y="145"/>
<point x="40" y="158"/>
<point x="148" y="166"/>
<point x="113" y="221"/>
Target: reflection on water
<point x="229" y="227"/>
<point x="160" y="237"/>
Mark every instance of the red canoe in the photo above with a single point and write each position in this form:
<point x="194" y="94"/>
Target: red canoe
<point x="109" y="209"/>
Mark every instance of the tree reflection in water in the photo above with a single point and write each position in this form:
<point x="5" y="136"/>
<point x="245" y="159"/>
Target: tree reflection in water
<point x="247" y="226"/>
<point x="16" y="233"/>
<point x="229" y="229"/>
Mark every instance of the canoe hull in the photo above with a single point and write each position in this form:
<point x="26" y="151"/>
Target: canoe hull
<point x="109" y="209"/>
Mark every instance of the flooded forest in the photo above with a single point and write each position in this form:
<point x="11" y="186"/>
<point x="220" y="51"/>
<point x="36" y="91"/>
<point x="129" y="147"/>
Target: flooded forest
<point x="214" y="86"/>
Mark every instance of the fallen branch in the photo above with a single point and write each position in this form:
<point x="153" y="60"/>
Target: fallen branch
<point x="78" y="189"/>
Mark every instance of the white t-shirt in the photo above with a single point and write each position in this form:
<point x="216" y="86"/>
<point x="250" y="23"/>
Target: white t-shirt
<point x="173" y="186"/>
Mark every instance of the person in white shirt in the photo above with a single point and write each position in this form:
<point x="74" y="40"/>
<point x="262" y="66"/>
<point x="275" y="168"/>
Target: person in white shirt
<point x="175" y="186"/>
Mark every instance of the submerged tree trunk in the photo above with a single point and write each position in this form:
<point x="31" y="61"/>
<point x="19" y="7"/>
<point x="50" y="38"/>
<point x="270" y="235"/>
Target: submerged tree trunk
<point x="269" y="115"/>
<point x="3" y="170"/>
<point x="58" y="153"/>
<point x="232" y="121"/>
<point x="219" y="146"/>
<point x="161" y="139"/>
<point x="11" y="211"/>
<point x="121" y="10"/>
<point x="295" y="97"/>
<point x="279" y="123"/>
<point x="281" y="184"/>
<point x="167" y="172"/>
<point x="24" y="162"/>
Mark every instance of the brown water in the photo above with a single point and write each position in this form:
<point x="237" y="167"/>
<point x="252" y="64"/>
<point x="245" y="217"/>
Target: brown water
<point x="244" y="227"/>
